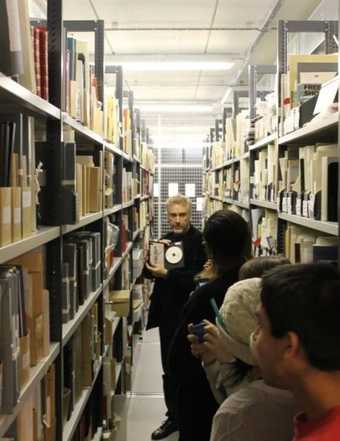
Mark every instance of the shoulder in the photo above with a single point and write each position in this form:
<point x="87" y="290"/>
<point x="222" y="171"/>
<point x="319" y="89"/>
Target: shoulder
<point x="216" y="288"/>
<point x="256" y="400"/>
<point x="195" y="233"/>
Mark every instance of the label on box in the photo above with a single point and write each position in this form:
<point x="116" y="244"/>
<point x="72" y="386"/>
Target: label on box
<point x="289" y="205"/>
<point x="26" y="199"/>
<point x="6" y="215"/>
<point x="298" y="206"/>
<point x="284" y="204"/>
<point x="311" y="205"/>
<point x="17" y="216"/>
<point x="25" y="360"/>
<point x="305" y="208"/>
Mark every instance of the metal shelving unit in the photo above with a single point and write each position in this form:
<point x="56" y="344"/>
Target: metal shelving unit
<point x="263" y="204"/>
<point x="15" y="96"/>
<point x="72" y="423"/>
<point x="18" y="99"/>
<point x="321" y="130"/>
<point x="70" y="327"/>
<point x="263" y="142"/>
<point x="331" y="228"/>
<point x="41" y="237"/>
<point x="36" y="374"/>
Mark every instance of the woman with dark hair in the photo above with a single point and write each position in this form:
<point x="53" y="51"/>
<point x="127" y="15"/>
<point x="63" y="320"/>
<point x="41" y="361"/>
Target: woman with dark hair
<point x="227" y="240"/>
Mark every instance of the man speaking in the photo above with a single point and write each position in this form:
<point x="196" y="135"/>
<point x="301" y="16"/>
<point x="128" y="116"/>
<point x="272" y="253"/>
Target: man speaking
<point x="171" y="291"/>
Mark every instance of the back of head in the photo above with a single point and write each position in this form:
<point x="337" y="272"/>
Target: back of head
<point x="227" y="238"/>
<point x="238" y="311"/>
<point x="257" y="266"/>
<point x="305" y="299"/>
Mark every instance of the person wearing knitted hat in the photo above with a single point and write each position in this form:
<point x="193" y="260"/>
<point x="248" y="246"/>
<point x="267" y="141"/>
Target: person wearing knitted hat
<point x="253" y="411"/>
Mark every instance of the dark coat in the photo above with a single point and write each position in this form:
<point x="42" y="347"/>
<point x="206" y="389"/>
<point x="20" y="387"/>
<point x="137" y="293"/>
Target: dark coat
<point x="170" y="295"/>
<point x="181" y="362"/>
<point x="195" y="403"/>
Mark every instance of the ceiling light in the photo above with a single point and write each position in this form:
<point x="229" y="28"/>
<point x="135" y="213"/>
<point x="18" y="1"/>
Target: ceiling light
<point x="172" y="66"/>
<point x="176" y="108"/>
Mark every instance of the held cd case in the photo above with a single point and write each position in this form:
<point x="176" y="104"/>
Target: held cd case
<point x="171" y="256"/>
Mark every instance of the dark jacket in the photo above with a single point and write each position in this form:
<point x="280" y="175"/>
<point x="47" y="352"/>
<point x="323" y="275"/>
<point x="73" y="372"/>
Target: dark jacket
<point x="170" y="295"/>
<point x="181" y="362"/>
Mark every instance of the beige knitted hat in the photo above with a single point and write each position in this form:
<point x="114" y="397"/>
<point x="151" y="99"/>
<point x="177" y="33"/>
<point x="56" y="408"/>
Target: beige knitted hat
<point x="239" y="314"/>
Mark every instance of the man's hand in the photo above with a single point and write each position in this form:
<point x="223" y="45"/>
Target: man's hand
<point x="166" y="242"/>
<point x="157" y="271"/>
<point x="200" y="350"/>
<point x="216" y="343"/>
<point x="215" y="347"/>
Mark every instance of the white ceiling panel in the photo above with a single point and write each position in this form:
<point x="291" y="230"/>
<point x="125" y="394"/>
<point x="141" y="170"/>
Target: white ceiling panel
<point x="228" y="41"/>
<point x="78" y="10"/>
<point x="162" y="93"/>
<point x="212" y="94"/>
<point x="144" y="13"/>
<point x="168" y="42"/>
<point x="163" y="78"/>
<point x="240" y="13"/>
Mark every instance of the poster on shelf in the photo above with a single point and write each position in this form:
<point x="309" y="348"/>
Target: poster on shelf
<point x="190" y="190"/>
<point x="199" y="204"/>
<point x="173" y="189"/>
<point x="156" y="192"/>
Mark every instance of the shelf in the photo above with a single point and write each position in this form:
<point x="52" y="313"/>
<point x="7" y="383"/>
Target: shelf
<point x="118" y="372"/>
<point x="98" y="435"/>
<point x="226" y="164"/>
<point x="321" y="130"/>
<point x="12" y="94"/>
<point x="117" y="151"/>
<point x="114" y="209"/>
<point x="325" y="227"/>
<point x="216" y="198"/>
<point x="37" y="373"/>
<point x="137" y="313"/>
<point x="138" y="196"/>
<point x="263" y="204"/>
<point x="238" y="203"/>
<point x="115" y="326"/>
<point x="116" y="264"/>
<point x="42" y="236"/>
<point x="70" y="327"/>
<point x="136" y="234"/>
<point x="263" y="142"/>
<point x="78" y="410"/>
<point x="127" y="204"/>
<point x="145" y="197"/>
<point x="88" y="219"/>
<point x="82" y="130"/>
<point x="146" y="169"/>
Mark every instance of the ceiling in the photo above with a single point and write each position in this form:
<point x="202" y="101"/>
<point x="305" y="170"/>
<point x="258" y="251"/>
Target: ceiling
<point x="151" y="29"/>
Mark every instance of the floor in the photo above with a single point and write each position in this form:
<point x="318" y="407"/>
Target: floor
<point x="146" y="406"/>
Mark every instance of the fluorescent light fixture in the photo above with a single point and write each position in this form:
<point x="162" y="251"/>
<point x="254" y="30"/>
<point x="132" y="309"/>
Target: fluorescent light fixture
<point x="175" y="108"/>
<point x="171" y="66"/>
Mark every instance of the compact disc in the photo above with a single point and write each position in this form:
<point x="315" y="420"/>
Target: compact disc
<point x="174" y="254"/>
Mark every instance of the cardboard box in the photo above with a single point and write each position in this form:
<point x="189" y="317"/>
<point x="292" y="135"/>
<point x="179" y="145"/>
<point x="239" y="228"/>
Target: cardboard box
<point x="16" y="214"/>
<point x="95" y="186"/>
<point x="24" y="359"/>
<point x="5" y="216"/>
<point x="120" y="302"/>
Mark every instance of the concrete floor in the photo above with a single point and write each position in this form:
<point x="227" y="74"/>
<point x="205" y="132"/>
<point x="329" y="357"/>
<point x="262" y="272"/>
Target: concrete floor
<point x="146" y="409"/>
